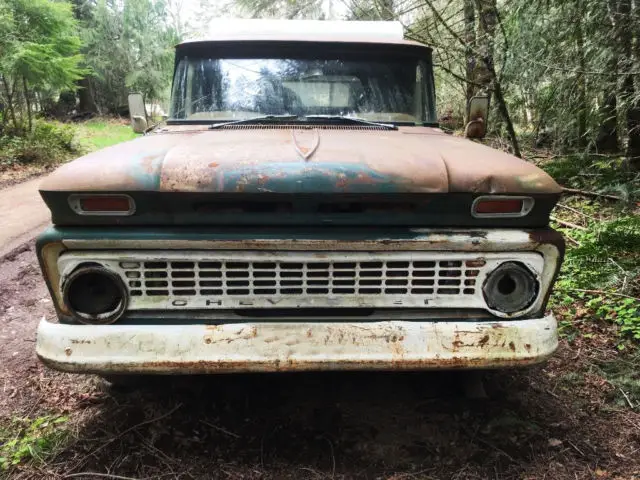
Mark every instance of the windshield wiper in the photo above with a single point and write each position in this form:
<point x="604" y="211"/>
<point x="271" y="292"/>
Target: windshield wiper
<point x="335" y="119"/>
<point x="257" y="120"/>
<point x="348" y="121"/>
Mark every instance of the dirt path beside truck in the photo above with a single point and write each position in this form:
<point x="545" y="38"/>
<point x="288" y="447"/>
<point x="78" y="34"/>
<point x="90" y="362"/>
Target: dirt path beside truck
<point x="564" y="420"/>
<point x="23" y="215"/>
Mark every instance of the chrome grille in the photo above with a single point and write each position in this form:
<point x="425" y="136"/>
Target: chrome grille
<point x="237" y="278"/>
<point x="260" y="279"/>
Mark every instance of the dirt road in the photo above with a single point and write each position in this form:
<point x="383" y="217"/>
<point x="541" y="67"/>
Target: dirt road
<point x="560" y="421"/>
<point x="23" y="215"/>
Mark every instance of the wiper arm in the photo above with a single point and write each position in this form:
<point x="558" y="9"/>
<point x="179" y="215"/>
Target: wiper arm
<point x="263" y="118"/>
<point x="349" y="121"/>
<point x="304" y="118"/>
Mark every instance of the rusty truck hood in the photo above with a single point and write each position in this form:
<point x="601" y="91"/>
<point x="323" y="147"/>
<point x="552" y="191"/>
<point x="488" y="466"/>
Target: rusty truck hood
<point x="290" y="160"/>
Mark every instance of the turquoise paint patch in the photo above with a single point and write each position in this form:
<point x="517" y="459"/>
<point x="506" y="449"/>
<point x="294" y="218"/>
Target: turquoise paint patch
<point x="147" y="168"/>
<point x="294" y="177"/>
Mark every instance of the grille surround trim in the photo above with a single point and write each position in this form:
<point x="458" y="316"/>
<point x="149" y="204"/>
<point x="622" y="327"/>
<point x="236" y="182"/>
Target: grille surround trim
<point x="224" y="280"/>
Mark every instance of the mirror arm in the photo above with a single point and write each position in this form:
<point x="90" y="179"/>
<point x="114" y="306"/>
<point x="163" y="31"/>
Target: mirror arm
<point x="139" y="123"/>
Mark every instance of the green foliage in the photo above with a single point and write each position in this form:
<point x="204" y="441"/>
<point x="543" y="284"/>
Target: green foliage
<point x="46" y="50"/>
<point x="595" y="173"/>
<point x="129" y="47"/>
<point x="99" y="133"/>
<point x="613" y="247"/>
<point x="607" y="265"/>
<point x="310" y="9"/>
<point x="40" y="53"/>
<point x="49" y="142"/>
<point x="25" y="439"/>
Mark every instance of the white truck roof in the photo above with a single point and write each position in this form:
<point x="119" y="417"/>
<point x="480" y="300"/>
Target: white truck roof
<point x="302" y="30"/>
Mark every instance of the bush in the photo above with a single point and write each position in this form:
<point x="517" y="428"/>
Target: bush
<point x="50" y="142"/>
<point x="608" y="256"/>
<point x="597" y="173"/>
<point x="604" y="272"/>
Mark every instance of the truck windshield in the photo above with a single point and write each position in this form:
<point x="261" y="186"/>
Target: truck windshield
<point x="226" y="89"/>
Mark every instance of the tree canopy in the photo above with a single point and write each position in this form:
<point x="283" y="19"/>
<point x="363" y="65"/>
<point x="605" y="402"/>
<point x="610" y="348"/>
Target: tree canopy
<point x="128" y="47"/>
<point x="560" y="73"/>
<point x="39" y="53"/>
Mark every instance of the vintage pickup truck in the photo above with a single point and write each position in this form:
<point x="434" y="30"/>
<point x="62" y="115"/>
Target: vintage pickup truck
<point x="300" y="209"/>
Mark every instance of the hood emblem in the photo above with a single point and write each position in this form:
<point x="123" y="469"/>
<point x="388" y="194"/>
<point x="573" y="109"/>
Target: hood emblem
<point x="301" y="140"/>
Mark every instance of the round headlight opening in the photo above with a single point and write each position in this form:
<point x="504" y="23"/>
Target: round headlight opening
<point x="510" y="288"/>
<point x="506" y="285"/>
<point x="95" y="295"/>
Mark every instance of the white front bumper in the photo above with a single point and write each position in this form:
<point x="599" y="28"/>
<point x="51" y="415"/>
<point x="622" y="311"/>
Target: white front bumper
<point x="244" y="347"/>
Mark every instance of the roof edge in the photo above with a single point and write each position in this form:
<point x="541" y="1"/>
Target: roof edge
<point x="316" y="31"/>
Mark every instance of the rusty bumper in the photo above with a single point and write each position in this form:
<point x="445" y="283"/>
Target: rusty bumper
<point x="246" y="347"/>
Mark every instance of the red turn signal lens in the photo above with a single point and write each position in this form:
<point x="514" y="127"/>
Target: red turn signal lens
<point x="499" y="206"/>
<point x="490" y="206"/>
<point x="105" y="204"/>
<point x="102" y="204"/>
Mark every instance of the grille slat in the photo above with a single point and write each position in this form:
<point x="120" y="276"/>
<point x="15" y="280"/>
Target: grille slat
<point x="186" y="278"/>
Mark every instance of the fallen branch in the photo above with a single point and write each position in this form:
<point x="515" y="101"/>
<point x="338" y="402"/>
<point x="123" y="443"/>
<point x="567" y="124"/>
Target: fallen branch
<point x="572" y="240"/>
<point x="591" y="194"/>
<point x="575" y="210"/>
<point x="602" y="292"/>
<point x="567" y="224"/>
<point x="626" y="398"/>
<point x="121" y="434"/>
<point x="220" y="429"/>
<point x="576" y="448"/>
<point x="98" y="475"/>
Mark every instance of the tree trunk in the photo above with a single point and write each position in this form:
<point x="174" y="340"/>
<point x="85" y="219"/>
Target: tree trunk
<point x="581" y="82"/>
<point x="607" y="138"/>
<point x="27" y="100"/>
<point x="470" y="39"/>
<point x="86" y="102"/>
<point x="633" y="147"/>
<point x="9" y="93"/>
<point x="488" y="16"/>
<point x="504" y="113"/>
<point x="386" y="9"/>
<point x="625" y="38"/>
<point x="633" y="114"/>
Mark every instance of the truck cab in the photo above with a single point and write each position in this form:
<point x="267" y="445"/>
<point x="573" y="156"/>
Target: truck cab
<point x="300" y="209"/>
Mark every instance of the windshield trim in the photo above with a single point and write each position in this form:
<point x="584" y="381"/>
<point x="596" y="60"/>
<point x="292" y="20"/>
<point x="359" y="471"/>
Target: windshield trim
<point x="310" y="50"/>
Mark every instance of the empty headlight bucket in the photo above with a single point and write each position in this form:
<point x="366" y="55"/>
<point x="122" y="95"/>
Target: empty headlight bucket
<point x="95" y="295"/>
<point x="510" y="288"/>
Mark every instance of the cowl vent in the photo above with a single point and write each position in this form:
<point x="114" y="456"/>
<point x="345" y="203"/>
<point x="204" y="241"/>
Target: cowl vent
<point x="280" y="126"/>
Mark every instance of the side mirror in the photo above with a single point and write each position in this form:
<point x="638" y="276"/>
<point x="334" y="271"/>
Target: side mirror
<point x="477" y="113"/>
<point x="138" y="113"/>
